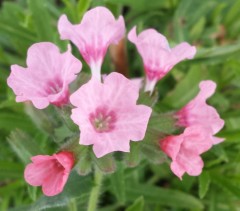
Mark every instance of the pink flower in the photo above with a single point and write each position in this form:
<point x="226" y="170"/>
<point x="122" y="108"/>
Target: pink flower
<point x="107" y="114"/>
<point x="50" y="172"/>
<point x="47" y="76"/>
<point x="158" y="57"/>
<point x="185" y="150"/>
<point x="198" y="112"/>
<point x="97" y="30"/>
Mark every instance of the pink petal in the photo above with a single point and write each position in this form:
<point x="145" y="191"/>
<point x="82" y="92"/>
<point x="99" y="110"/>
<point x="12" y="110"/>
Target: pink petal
<point x="35" y="174"/>
<point x="171" y="145"/>
<point x="197" y="139"/>
<point x="118" y="90"/>
<point x="88" y="136"/>
<point x="41" y="158"/>
<point x="54" y="183"/>
<point x="217" y="140"/>
<point x="110" y="144"/>
<point x="181" y="52"/>
<point x="177" y="169"/>
<point x="87" y="97"/>
<point x="66" y="159"/>
<point x="132" y="124"/>
<point x="190" y="162"/>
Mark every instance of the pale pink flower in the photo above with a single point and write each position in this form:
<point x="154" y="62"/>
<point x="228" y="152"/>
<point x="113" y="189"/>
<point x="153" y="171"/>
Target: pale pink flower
<point x="158" y="57"/>
<point x="185" y="150"/>
<point x="107" y="114"/>
<point x="198" y="112"/>
<point x="47" y="76"/>
<point x="97" y="30"/>
<point x="50" y="172"/>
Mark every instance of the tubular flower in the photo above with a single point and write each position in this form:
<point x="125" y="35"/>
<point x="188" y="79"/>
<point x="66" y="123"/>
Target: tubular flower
<point x="97" y="30"/>
<point x="50" y="172"/>
<point x="107" y="114"/>
<point x="185" y="150"/>
<point x="158" y="57"/>
<point x="47" y="76"/>
<point x="198" y="112"/>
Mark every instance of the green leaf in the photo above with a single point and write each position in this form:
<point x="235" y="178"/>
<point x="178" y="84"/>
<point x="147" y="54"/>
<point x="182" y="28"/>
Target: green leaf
<point x="32" y="191"/>
<point x="20" y="120"/>
<point x="10" y="170"/>
<point x="185" y="89"/>
<point x="138" y="205"/>
<point x="146" y="98"/>
<point x="23" y="145"/>
<point x="41" y="20"/>
<point x="226" y="184"/>
<point x="161" y="196"/>
<point x="204" y="182"/>
<point x="82" y="7"/>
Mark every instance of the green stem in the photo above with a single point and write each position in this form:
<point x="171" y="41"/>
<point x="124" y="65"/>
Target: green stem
<point x="93" y="199"/>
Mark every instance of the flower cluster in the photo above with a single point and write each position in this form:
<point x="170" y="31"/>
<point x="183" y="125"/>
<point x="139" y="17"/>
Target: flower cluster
<point x="106" y="109"/>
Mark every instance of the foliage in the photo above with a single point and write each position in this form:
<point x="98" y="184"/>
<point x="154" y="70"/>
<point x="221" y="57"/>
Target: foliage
<point x="213" y="26"/>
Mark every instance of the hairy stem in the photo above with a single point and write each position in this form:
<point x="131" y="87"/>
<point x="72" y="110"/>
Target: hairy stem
<point x="94" y="195"/>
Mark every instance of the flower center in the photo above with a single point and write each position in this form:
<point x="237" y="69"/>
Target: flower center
<point x="54" y="86"/>
<point x="103" y="120"/>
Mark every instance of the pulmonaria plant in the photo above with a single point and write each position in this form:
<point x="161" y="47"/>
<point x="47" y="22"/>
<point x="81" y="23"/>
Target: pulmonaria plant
<point x="111" y="110"/>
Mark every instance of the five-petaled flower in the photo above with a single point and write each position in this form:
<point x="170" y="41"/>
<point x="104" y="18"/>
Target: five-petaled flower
<point x="158" y="57"/>
<point x="47" y="76"/>
<point x="97" y="30"/>
<point x="198" y="112"/>
<point x="107" y="114"/>
<point x="185" y="150"/>
<point x="50" y="172"/>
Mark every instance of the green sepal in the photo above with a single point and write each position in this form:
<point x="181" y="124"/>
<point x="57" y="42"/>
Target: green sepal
<point x="44" y="119"/>
<point x="65" y="114"/>
<point x="105" y="164"/>
<point x="84" y="164"/>
<point x="145" y="98"/>
<point x="153" y="153"/>
<point x="133" y="158"/>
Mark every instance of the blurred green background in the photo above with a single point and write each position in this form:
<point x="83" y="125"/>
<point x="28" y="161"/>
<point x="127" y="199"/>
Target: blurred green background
<point x="211" y="25"/>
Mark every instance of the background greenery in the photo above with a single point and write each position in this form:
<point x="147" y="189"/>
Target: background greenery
<point x="212" y="25"/>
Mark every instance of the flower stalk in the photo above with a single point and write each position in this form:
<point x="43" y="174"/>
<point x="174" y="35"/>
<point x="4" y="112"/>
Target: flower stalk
<point x="95" y="192"/>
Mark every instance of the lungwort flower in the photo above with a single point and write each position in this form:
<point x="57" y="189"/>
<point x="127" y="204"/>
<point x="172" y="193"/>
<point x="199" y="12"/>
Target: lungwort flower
<point x="185" y="150"/>
<point x="97" y="30"/>
<point x="198" y="112"/>
<point x="50" y="172"/>
<point x="47" y="76"/>
<point x="107" y="114"/>
<point x="158" y="57"/>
